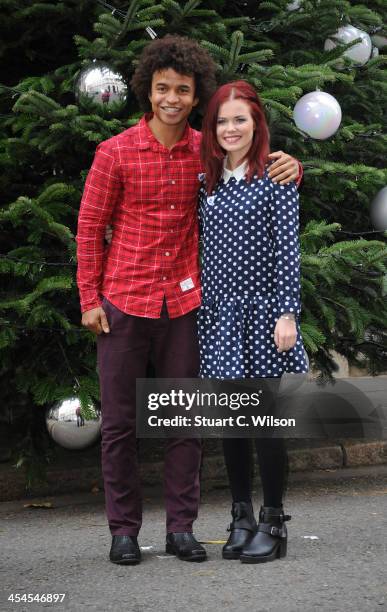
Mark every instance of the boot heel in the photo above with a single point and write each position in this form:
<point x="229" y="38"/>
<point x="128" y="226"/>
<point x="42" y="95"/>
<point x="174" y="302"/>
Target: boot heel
<point x="282" y="549"/>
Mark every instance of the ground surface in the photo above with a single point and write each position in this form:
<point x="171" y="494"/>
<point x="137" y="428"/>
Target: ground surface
<point x="65" y="550"/>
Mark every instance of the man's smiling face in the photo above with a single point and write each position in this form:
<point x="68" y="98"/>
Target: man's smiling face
<point x="172" y="96"/>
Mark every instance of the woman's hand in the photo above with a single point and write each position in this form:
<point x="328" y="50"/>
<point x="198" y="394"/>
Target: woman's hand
<point x="285" y="334"/>
<point x="285" y="169"/>
<point x="108" y="234"/>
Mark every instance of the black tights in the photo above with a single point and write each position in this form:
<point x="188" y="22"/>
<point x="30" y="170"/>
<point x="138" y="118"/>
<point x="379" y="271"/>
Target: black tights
<point x="273" y="467"/>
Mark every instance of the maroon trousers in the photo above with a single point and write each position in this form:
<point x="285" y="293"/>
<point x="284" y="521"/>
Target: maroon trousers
<point x="123" y="355"/>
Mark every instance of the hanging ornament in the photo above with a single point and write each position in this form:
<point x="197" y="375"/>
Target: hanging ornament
<point x="379" y="41"/>
<point x="293" y="6"/>
<point x="379" y="210"/>
<point x="318" y="114"/>
<point x="103" y="85"/>
<point x="151" y="33"/>
<point x="360" y="53"/>
<point x="70" y="426"/>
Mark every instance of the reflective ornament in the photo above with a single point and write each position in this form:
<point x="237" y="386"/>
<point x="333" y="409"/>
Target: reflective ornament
<point x="360" y="53"/>
<point x="103" y="85"/>
<point x="379" y="41"/>
<point x="379" y="210"/>
<point x="293" y="6"/>
<point x="318" y="114"/>
<point x="70" y="426"/>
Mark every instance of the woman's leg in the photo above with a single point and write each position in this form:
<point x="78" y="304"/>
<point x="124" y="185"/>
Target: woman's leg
<point x="270" y="539"/>
<point x="238" y="459"/>
<point x="273" y="468"/>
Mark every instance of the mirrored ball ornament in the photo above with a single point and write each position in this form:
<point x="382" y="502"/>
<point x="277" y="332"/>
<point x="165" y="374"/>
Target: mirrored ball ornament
<point x="318" y="114"/>
<point x="379" y="210"/>
<point x="70" y="426"/>
<point x="359" y="53"/>
<point x="103" y="85"/>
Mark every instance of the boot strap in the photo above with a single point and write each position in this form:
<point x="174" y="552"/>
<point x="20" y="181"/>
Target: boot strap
<point x="268" y="517"/>
<point x="272" y="530"/>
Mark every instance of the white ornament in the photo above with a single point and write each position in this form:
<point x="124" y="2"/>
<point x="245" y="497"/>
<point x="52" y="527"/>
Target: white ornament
<point x="318" y="114"/>
<point x="360" y="53"/>
<point x="379" y="210"/>
<point x="293" y="6"/>
<point x="379" y="41"/>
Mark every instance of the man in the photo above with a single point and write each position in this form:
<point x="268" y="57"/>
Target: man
<point x="141" y="295"/>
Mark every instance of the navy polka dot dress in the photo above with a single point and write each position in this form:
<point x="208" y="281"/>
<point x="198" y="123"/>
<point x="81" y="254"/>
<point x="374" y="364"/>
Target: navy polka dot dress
<point x="250" y="276"/>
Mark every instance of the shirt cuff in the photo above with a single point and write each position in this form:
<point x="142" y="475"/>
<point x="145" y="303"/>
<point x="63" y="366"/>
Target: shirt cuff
<point x="300" y="174"/>
<point x="85" y="306"/>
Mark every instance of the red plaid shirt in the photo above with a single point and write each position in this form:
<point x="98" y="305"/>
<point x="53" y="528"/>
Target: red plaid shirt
<point x="149" y="194"/>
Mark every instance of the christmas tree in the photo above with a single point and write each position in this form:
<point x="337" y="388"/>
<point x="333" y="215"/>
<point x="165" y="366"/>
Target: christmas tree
<point x="50" y="131"/>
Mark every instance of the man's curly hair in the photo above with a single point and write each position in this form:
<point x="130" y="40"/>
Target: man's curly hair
<point x="183" y="55"/>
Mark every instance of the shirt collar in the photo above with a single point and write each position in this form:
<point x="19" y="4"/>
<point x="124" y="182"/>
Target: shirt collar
<point x="238" y="173"/>
<point x="146" y="138"/>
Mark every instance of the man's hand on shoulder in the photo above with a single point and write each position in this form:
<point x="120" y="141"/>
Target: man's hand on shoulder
<point x="284" y="169"/>
<point x="96" y="321"/>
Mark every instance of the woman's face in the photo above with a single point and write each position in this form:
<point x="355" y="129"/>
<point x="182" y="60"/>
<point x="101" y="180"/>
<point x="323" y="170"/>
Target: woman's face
<point x="235" y="127"/>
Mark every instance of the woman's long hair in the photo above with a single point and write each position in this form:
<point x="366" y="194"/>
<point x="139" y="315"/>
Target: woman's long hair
<point x="212" y="153"/>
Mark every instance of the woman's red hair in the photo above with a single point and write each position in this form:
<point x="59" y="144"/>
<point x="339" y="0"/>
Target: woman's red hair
<point x="212" y="153"/>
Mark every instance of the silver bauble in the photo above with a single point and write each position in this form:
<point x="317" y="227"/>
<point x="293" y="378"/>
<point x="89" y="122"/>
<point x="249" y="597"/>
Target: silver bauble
<point x="103" y="85"/>
<point x="379" y="210"/>
<point x="70" y="426"/>
<point x="359" y="53"/>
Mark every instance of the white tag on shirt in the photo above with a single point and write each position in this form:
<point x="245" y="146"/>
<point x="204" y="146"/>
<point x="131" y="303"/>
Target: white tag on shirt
<point x="187" y="284"/>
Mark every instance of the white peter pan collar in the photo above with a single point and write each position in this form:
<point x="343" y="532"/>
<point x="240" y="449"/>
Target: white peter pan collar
<point x="238" y="173"/>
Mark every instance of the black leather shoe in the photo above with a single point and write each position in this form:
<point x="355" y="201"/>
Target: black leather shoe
<point x="125" y="550"/>
<point x="242" y="528"/>
<point x="185" y="546"/>
<point x="270" y="541"/>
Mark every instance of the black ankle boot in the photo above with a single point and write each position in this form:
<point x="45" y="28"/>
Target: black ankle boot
<point x="242" y="529"/>
<point x="270" y="540"/>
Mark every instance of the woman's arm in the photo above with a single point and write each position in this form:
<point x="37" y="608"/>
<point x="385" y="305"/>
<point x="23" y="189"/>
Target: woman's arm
<point x="284" y="224"/>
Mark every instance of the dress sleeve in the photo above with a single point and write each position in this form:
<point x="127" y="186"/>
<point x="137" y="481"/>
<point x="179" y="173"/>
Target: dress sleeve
<point x="284" y="225"/>
<point x="103" y="188"/>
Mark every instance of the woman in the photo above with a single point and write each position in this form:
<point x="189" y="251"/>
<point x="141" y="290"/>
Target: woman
<point x="248" y="324"/>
